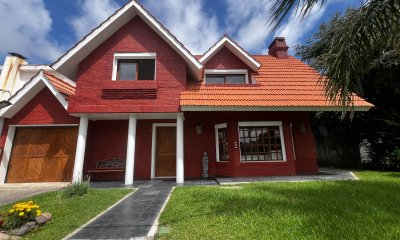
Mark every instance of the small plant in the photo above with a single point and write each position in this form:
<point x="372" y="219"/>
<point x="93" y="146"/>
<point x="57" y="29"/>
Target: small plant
<point x="76" y="189"/>
<point x="19" y="214"/>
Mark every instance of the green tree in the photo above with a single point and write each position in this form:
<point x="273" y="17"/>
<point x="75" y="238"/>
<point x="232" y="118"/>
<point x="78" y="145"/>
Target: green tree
<point x="370" y="32"/>
<point x="381" y="125"/>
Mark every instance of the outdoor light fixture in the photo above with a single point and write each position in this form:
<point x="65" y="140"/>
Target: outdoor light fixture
<point x="5" y="103"/>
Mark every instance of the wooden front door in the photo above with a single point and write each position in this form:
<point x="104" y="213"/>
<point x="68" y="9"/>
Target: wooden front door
<point x="42" y="155"/>
<point x="165" y="152"/>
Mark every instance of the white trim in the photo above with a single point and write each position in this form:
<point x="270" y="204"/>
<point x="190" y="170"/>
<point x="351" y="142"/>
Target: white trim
<point x="153" y="147"/>
<point x="272" y="109"/>
<point x="232" y="46"/>
<point x="124" y="14"/>
<point x="143" y="55"/>
<point x="5" y="161"/>
<point x="28" y="92"/>
<point x="217" y="127"/>
<point x="226" y="72"/>
<point x="180" y="169"/>
<point x="9" y="145"/>
<point x="264" y="124"/>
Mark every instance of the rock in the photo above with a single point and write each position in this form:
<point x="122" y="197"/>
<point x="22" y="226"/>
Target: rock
<point x="47" y="215"/>
<point x="41" y="219"/>
<point x="20" y="231"/>
<point x="4" y="236"/>
<point x="30" y="225"/>
<point x="15" y="238"/>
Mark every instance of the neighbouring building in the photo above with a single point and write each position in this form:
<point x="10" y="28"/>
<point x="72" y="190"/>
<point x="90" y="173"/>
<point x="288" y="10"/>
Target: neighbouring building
<point x="129" y="101"/>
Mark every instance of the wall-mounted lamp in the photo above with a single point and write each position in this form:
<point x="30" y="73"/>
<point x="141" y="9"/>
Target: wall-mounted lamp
<point x="5" y="103"/>
<point x="199" y="129"/>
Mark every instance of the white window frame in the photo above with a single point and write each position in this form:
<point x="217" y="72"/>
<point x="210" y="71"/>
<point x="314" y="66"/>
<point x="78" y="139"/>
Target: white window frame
<point x="227" y="72"/>
<point x="133" y="56"/>
<point x="217" y="127"/>
<point x="264" y="124"/>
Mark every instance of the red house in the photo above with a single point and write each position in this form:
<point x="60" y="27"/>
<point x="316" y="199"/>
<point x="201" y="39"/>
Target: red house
<point x="129" y="101"/>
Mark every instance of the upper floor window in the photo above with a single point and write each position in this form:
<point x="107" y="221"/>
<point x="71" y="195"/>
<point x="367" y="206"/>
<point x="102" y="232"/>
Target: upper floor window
<point x="226" y="76"/>
<point x="134" y="66"/>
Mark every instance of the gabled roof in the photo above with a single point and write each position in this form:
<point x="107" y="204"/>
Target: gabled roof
<point x="60" y="88"/>
<point x="67" y="63"/>
<point x="282" y="85"/>
<point x="225" y="41"/>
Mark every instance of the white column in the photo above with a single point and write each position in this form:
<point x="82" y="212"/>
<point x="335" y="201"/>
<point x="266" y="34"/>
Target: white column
<point x="130" y="152"/>
<point x="80" y="148"/>
<point x="179" y="149"/>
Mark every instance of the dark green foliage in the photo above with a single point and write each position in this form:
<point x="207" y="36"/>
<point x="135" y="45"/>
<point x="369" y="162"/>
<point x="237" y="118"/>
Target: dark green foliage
<point x="381" y="86"/>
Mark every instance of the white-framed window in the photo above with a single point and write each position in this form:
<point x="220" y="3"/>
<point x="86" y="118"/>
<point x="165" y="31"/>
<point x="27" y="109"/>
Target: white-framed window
<point x="261" y="142"/>
<point x="134" y="66"/>
<point x="226" y="76"/>
<point x="221" y="142"/>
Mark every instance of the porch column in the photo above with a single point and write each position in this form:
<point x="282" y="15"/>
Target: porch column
<point x="80" y="148"/>
<point x="130" y="152"/>
<point x="179" y="149"/>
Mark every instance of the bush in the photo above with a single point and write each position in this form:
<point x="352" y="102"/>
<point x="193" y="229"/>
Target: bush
<point x="76" y="189"/>
<point x="19" y="214"/>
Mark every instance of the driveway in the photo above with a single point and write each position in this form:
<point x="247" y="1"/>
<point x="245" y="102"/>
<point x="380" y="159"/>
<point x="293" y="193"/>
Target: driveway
<point x="11" y="192"/>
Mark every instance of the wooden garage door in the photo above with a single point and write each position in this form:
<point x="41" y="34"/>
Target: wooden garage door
<point x="42" y="155"/>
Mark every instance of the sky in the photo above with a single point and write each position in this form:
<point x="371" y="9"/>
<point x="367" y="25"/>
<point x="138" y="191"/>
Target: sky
<point x="42" y="30"/>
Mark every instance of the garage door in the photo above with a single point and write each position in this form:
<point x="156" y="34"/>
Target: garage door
<point x="42" y="155"/>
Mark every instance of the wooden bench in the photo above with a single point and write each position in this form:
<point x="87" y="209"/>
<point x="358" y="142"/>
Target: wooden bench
<point x="113" y="165"/>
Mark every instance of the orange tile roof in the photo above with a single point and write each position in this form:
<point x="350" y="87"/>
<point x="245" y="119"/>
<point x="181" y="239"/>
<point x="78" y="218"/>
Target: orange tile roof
<point x="63" y="87"/>
<point x="280" y="83"/>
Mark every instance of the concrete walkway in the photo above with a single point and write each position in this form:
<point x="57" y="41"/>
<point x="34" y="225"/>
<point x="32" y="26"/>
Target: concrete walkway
<point x="133" y="217"/>
<point x="324" y="174"/>
<point x="12" y="192"/>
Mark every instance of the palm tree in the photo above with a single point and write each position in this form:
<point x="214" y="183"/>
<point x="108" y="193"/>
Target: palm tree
<point x="375" y="25"/>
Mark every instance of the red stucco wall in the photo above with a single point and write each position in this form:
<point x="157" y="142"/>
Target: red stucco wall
<point x="95" y="73"/>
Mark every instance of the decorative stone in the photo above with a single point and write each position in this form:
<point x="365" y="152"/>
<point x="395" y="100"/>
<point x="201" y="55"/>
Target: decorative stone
<point x="4" y="236"/>
<point x="41" y="219"/>
<point x="15" y="237"/>
<point x="30" y="225"/>
<point x="47" y="215"/>
<point x="20" y="231"/>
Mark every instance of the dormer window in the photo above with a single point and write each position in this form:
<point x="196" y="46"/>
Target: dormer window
<point x="226" y="76"/>
<point x="134" y="66"/>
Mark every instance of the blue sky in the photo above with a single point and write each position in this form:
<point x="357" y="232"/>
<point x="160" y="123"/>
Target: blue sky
<point x="42" y="30"/>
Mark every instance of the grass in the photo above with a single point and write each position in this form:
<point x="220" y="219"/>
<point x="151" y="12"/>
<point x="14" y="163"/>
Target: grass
<point x="364" y="209"/>
<point x="69" y="214"/>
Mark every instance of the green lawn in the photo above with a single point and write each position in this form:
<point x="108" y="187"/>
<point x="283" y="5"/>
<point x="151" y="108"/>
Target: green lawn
<point x="364" y="209"/>
<point x="69" y="214"/>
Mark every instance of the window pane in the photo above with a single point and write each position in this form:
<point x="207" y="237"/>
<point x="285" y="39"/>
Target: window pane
<point x="235" y="79"/>
<point x="223" y="144"/>
<point x="260" y="144"/>
<point x="127" y="70"/>
<point x="214" y="79"/>
<point x="146" y="69"/>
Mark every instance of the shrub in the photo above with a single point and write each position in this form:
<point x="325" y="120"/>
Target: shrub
<point x="19" y="214"/>
<point x="76" y="189"/>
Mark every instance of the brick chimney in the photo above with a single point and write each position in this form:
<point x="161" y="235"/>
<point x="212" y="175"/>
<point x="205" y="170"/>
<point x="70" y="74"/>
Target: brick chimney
<point x="278" y="48"/>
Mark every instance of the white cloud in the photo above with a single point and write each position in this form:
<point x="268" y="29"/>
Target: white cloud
<point x="25" y="26"/>
<point x="248" y="24"/>
<point x="295" y="27"/>
<point x="93" y="12"/>
<point x="197" y="29"/>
